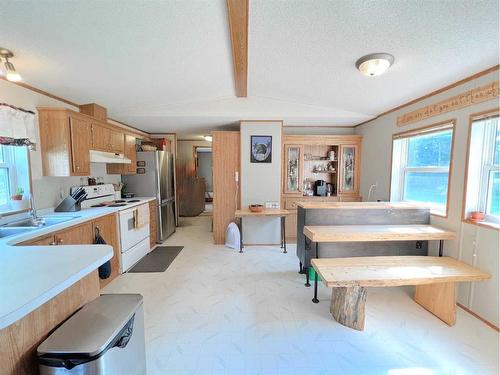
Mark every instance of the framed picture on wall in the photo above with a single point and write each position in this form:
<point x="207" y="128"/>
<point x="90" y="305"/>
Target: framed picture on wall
<point x="261" y="148"/>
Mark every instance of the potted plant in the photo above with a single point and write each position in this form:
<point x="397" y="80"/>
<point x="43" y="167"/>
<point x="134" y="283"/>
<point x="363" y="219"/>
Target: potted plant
<point x="17" y="201"/>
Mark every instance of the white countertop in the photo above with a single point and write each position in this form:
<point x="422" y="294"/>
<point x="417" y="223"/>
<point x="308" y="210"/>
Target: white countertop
<point x="32" y="275"/>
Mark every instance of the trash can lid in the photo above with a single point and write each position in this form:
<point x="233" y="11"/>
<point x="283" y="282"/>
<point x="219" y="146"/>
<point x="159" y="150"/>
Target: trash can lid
<point x="90" y="330"/>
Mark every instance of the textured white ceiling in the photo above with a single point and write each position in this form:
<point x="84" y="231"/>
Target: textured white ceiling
<point x="166" y="65"/>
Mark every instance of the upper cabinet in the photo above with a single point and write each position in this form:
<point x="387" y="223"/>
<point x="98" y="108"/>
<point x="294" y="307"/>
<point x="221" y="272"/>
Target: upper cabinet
<point x="130" y="153"/>
<point x="65" y="139"/>
<point x="104" y="138"/>
<point x="349" y="171"/>
<point x="331" y="162"/>
<point x="293" y="167"/>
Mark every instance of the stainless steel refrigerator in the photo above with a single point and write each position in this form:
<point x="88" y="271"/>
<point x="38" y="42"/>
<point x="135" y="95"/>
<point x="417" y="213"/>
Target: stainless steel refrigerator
<point x="156" y="178"/>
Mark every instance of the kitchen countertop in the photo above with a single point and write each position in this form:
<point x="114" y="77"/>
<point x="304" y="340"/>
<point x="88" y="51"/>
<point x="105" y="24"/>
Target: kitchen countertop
<point x="32" y="275"/>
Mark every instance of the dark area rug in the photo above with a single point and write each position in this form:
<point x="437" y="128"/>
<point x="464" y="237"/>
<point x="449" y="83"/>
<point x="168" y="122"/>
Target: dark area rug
<point x="158" y="260"/>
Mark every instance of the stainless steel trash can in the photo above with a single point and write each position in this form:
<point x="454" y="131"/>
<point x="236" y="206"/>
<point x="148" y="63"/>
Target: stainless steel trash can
<point x="105" y="337"/>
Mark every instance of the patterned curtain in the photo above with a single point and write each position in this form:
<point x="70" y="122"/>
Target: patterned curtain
<point x="17" y="126"/>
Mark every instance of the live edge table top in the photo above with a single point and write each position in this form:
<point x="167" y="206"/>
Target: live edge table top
<point x="369" y="233"/>
<point x="386" y="271"/>
<point x="265" y="212"/>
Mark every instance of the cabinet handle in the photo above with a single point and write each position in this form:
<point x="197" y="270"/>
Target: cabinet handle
<point x="77" y="167"/>
<point x="53" y="243"/>
<point x="60" y="241"/>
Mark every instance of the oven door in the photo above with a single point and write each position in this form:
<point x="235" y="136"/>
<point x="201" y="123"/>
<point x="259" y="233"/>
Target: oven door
<point x="129" y="235"/>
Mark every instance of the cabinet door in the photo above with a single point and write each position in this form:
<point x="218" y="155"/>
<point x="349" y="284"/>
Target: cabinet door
<point x="40" y="241"/>
<point x="117" y="143"/>
<point x="293" y="169"/>
<point x="80" y="135"/>
<point x="77" y="235"/>
<point x="349" y="169"/>
<point x="101" y="138"/>
<point x="108" y="228"/>
<point x="131" y="154"/>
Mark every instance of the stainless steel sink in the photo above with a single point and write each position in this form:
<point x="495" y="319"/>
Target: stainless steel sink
<point x="27" y="225"/>
<point x="10" y="231"/>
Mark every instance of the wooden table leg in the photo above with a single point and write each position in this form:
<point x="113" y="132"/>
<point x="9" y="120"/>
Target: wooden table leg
<point x="439" y="299"/>
<point x="348" y="306"/>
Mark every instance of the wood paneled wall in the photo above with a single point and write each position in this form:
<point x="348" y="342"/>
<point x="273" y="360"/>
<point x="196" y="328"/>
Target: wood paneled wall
<point x="225" y="163"/>
<point x="19" y="341"/>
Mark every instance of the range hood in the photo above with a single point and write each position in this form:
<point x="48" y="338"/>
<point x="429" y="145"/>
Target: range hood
<point x="108" y="157"/>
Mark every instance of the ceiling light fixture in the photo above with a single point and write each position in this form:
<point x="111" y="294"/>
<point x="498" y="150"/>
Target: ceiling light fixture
<point x="10" y="71"/>
<point x="207" y="138"/>
<point x="374" y="64"/>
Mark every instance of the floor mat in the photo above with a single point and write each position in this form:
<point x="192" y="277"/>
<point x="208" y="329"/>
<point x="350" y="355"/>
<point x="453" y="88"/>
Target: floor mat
<point x="158" y="260"/>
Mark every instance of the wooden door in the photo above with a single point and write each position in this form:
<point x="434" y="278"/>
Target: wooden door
<point x="225" y="165"/>
<point x="349" y="169"/>
<point x="153" y="223"/>
<point x="101" y="137"/>
<point x="80" y="135"/>
<point x="108" y="228"/>
<point x="76" y="235"/>
<point x="294" y="169"/>
<point x="117" y="143"/>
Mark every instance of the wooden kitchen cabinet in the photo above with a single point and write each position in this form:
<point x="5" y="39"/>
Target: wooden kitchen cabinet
<point x="65" y="140"/>
<point x="130" y="153"/>
<point x="153" y="223"/>
<point x="77" y="235"/>
<point x="107" y="139"/>
<point x="108" y="228"/>
<point x="39" y="241"/>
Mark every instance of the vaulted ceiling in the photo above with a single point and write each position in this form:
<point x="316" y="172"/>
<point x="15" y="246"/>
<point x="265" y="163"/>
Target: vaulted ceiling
<point x="167" y="65"/>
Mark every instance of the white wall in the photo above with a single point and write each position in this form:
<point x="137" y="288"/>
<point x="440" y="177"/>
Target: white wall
<point x="260" y="182"/>
<point x="376" y="168"/>
<point x="46" y="190"/>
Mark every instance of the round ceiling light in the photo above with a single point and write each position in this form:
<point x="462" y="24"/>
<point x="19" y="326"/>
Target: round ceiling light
<point x="374" y="64"/>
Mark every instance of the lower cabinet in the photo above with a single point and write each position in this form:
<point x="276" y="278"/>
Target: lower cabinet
<point x="153" y="223"/>
<point x="82" y="234"/>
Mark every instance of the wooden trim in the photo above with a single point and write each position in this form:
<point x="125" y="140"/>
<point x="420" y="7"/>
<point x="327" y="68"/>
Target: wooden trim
<point x="26" y="86"/>
<point x="483" y="224"/>
<point x="320" y="126"/>
<point x="433" y="93"/>
<point x="473" y="117"/>
<point x="133" y="128"/>
<point x="421" y="130"/>
<point x="427" y="129"/>
<point x="489" y="324"/>
<point x="466" y="99"/>
<point x="237" y="11"/>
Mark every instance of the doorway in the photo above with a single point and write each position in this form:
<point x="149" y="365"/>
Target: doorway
<point x="203" y="169"/>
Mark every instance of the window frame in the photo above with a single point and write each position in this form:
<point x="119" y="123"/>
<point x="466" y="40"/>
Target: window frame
<point x="487" y="168"/>
<point x="8" y="164"/>
<point x="423" y="130"/>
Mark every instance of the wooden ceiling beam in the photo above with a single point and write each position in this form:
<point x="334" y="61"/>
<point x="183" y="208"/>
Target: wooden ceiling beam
<point x="237" y="11"/>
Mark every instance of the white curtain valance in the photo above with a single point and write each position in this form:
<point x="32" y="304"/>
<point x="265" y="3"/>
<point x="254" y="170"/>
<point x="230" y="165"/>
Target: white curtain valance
<point x="17" y="123"/>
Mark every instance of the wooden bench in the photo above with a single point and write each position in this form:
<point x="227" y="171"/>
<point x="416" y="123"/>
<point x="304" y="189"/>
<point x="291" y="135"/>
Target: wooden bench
<point x="434" y="277"/>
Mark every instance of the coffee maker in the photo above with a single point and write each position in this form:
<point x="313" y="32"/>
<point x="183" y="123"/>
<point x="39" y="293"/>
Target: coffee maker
<point x="320" y="188"/>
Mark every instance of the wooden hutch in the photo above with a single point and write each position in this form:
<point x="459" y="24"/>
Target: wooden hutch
<point x="335" y="159"/>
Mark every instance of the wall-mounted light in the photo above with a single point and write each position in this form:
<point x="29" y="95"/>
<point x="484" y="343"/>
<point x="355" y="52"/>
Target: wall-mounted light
<point x="374" y="64"/>
<point x="10" y="71"/>
<point x="207" y="138"/>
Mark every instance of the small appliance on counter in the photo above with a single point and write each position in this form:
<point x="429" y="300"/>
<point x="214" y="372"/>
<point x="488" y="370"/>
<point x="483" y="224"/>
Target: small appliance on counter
<point x="320" y="188"/>
<point x="330" y="190"/>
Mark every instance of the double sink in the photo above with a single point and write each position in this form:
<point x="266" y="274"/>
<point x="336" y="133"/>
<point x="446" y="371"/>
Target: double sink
<point x="28" y="225"/>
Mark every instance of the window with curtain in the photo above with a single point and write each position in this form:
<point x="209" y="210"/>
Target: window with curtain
<point x="483" y="170"/>
<point x="421" y="166"/>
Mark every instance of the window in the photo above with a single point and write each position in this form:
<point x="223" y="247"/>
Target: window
<point x="421" y="166"/>
<point x="14" y="174"/>
<point x="483" y="168"/>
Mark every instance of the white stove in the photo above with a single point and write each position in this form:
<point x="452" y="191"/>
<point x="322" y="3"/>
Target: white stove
<point x="134" y="241"/>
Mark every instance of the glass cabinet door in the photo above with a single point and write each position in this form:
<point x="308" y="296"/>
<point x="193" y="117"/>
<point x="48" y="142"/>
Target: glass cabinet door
<point x="348" y="169"/>
<point x="293" y="178"/>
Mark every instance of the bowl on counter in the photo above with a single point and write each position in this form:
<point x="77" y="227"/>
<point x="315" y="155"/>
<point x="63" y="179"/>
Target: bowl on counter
<point x="256" y="207"/>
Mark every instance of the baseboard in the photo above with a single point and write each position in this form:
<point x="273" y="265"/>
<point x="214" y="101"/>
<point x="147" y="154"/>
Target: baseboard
<point x="489" y="324"/>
